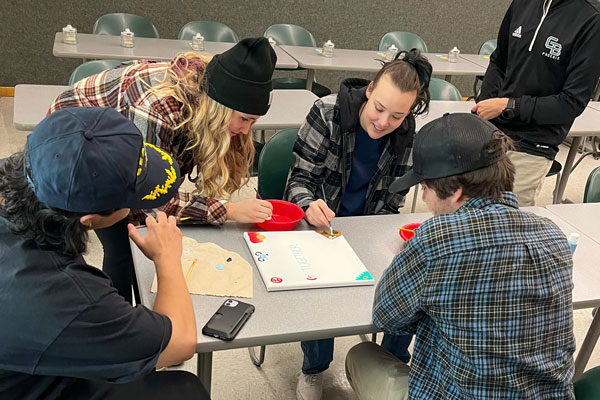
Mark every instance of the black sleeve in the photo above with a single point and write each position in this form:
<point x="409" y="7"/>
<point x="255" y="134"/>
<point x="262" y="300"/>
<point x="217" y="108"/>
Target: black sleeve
<point x="108" y="341"/>
<point x="494" y="75"/>
<point x="310" y="152"/>
<point x="581" y="79"/>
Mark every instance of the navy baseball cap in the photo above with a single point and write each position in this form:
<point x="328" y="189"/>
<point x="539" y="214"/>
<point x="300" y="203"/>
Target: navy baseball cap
<point x="447" y="146"/>
<point x="91" y="159"/>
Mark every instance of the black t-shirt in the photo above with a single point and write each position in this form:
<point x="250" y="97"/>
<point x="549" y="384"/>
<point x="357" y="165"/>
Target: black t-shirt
<point x="62" y="320"/>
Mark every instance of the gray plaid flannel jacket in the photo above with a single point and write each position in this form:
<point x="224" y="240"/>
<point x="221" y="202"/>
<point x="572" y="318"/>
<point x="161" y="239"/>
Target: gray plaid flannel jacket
<point x="323" y="154"/>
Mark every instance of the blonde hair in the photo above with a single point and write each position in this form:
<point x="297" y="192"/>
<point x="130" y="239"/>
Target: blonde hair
<point x="222" y="162"/>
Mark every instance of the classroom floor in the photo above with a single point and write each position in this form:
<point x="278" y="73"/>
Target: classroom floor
<point x="234" y="376"/>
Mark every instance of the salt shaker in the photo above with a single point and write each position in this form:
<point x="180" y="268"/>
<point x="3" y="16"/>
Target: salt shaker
<point x="453" y="55"/>
<point x="198" y="42"/>
<point x="127" y="38"/>
<point x="272" y="41"/>
<point x="573" y="240"/>
<point x="328" y="48"/>
<point x="69" y="35"/>
<point x="391" y="52"/>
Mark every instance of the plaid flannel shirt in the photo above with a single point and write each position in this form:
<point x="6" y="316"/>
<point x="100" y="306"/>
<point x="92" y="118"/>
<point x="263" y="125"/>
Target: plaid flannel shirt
<point x="126" y="88"/>
<point x="487" y="290"/>
<point x="323" y="154"/>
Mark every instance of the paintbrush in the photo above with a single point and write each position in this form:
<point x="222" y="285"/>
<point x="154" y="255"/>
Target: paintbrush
<point x="260" y="197"/>
<point x="191" y="269"/>
<point x="325" y="200"/>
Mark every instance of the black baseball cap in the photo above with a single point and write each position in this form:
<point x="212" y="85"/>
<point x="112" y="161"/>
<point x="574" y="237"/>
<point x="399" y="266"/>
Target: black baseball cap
<point x="241" y="77"/>
<point x="447" y="146"/>
<point x="91" y="159"/>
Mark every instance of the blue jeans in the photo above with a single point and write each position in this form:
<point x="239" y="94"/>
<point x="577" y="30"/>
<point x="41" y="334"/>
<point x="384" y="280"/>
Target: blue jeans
<point x="318" y="354"/>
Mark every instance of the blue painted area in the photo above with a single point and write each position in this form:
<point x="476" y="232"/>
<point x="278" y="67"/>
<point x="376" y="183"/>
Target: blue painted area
<point x="220" y="267"/>
<point x="365" y="276"/>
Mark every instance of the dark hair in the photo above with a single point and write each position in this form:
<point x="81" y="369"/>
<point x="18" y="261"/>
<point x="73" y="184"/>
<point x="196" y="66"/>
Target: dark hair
<point x="411" y="72"/>
<point x="487" y="182"/>
<point x="48" y="227"/>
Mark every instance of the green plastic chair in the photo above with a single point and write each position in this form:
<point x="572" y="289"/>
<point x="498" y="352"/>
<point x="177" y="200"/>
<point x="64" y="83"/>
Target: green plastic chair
<point x="588" y="386"/>
<point x="404" y="41"/>
<point x="485" y="49"/>
<point x="488" y="47"/>
<point x="90" y="68"/>
<point x="211" y="31"/>
<point x="591" y="193"/>
<point x="114" y="24"/>
<point x="274" y="163"/>
<point x="294" y="35"/>
<point x="440" y="89"/>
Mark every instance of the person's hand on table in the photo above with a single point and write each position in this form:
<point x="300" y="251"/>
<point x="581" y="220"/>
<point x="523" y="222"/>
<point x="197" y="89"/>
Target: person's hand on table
<point x="490" y="108"/>
<point x="163" y="240"/>
<point x="318" y="213"/>
<point x="249" y="211"/>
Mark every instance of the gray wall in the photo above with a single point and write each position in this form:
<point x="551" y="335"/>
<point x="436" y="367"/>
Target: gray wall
<point x="28" y="27"/>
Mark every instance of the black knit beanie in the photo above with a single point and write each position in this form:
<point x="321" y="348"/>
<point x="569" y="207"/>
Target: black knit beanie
<point x="240" y="78"/>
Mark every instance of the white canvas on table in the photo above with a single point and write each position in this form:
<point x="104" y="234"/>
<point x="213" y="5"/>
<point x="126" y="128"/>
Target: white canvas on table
<point x="305" y="260"/>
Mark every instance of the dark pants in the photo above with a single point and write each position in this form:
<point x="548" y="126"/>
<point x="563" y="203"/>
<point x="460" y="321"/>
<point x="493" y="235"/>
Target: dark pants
<point x="180" y="385"/>
<point x="318" y="354"/>
<point x="118" y="263"/>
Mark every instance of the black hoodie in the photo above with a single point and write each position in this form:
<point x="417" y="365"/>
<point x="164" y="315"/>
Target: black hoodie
<point x="550" y="65"/>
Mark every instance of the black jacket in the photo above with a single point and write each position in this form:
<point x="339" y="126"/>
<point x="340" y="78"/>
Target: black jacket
<point x="323" y="154"/>
<point x="550" y="65"/>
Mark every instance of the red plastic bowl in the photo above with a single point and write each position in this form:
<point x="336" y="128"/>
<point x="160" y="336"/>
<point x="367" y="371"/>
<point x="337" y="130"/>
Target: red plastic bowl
<point x="286" y="216"/>
<point x="408" y="235"/>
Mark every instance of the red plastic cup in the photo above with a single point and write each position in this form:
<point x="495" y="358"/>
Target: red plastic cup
<point x="286" y="216"/>
<point x="408" y="235"/>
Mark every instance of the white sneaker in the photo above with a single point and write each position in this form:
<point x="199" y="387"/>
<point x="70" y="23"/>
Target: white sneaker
<point x="310" y="387"/>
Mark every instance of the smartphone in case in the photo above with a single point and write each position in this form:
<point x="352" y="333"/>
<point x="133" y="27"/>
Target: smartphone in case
<point x="228" y="320"/>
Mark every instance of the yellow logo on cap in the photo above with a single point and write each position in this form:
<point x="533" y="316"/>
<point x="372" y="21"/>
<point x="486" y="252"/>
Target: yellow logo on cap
<point x="171" y="173"/>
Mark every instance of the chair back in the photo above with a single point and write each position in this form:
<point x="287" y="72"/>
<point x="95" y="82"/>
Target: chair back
<point x="291" y="35"/>
<point x="588" y="386"/>
<point x="404" y="41"/>
<point x="488" y="47"/>
<point x="114" y="24"/>
<point x="276" y="159"/>
<point x="440" y="89"/>
<point x="591" y="193"/>
<point x="90" y="68"/>
<point x="212" y="31"/>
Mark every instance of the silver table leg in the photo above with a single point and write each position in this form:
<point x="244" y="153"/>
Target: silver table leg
<point x="560" y="190"/>
<point x="261" y="357"/>
<point x="310" y="77"/>
<point x="204" y="369"/>
<point x="591" y="338"/>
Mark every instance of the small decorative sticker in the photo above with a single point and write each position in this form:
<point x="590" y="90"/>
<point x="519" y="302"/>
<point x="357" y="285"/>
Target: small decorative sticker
<point x="365" y="276"/>
<point x="262" y="256"/>
<point x="327" y="233"/>
<point x="311" y="278"/>
<point x="256" y="237"/>
<point x="276" y="280"/>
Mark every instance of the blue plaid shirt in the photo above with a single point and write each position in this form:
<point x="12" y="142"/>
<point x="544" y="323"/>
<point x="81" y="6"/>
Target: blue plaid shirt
<point x="487" y="291"/>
